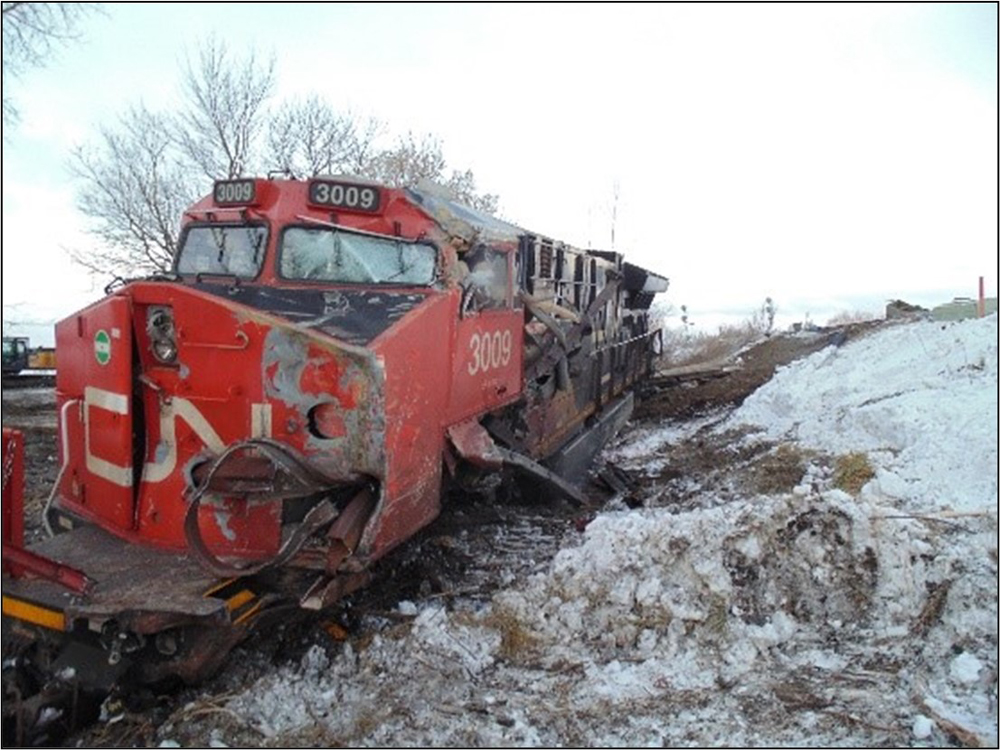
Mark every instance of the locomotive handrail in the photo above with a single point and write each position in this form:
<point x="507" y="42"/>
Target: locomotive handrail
<point x="547" y="320"/>
<point x="318" y="516"/>
<point x="618" y="365"/>
<point x="615" y="344"/>
<point x="244" y="343"/>
<point x="64" y="425"/>
<point x="117" y="281"/>
<point x="553" y="352"/>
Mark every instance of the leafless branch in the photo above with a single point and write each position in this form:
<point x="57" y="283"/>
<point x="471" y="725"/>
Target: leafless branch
<point x="309" y="138"/>
<point x="135" y="192"/>
<point x="31" y="34"/>
<point x="225" y="111"/>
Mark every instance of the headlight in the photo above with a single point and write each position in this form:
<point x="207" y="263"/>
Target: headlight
<point x="165" y="351"/>
<point x="160" y="328"/>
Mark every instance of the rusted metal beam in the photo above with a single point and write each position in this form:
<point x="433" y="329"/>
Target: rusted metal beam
<point x="13" y="487"/>
<point x="475" y="445"/>
<point x="559" y="348"/>
<point x="21" y="560"/>
<point x="345" y="533"/>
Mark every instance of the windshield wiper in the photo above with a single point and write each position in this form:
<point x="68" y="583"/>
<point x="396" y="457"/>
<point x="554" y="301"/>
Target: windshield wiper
<point x="258" y="239"/>
<point x="221" y="275"/>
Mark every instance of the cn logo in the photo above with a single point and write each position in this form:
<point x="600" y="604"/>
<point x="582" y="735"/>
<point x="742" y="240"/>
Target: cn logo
<point x="102" y="347"/>
<point x="166" y="451"/>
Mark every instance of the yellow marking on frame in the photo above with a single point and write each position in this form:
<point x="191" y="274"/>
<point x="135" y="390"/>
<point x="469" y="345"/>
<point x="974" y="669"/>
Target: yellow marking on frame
<point x="248" y="613"/>
<point x="47" y="618"/>
<point x="238" y="600"/>
<point x="218" y="587"/>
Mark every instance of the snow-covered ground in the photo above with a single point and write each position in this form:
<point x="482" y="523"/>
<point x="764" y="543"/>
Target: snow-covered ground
<point x="817" y="616"/>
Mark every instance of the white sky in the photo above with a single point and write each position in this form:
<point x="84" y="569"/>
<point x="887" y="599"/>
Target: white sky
<point x="828" y="156"/>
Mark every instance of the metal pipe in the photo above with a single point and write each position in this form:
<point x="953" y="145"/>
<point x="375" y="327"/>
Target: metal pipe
<point x="46" y="524"/>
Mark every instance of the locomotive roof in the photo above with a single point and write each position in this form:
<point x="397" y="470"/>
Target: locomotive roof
<point x="462" y="220"/>
<point x="466" y="222"/>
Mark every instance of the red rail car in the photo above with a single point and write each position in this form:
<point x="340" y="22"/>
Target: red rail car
<point x="254" y="430"/>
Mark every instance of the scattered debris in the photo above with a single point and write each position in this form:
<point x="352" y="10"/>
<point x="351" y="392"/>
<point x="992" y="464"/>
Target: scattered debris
<point x="898" y="308"/>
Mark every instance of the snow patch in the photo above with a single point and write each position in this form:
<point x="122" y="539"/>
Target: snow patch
<point x="919" y="399"/>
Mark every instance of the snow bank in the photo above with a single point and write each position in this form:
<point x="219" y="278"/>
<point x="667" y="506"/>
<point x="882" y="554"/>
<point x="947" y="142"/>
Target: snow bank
<point x="920" y="399"/>
<point x="813" y="617"/>
<point x="804" y="619"/>
<point x="816" y="604"/>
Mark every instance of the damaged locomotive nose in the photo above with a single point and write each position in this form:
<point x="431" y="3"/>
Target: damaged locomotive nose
<point x="313" y="445"/>
<point x="326" y="398"/>
<point x="259" y="469"/>
<point x="262" y="471"/>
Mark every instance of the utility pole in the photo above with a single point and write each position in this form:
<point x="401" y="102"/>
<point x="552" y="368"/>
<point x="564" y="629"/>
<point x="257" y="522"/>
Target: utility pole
<point x="614" y="210"/>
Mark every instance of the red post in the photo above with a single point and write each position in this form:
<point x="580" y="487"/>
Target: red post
<point x="981" y="306"/>
<point x="16" y="559"/>
<point x="13" y="487"/>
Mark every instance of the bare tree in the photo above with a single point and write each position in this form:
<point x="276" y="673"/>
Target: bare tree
<point x="762" y="320"/>
<point x="219" y="128"/>
<point x="309" y="138"/>
<point x="408" y="162"/>
<point x="31" y="34"/>
<point x="366" y="134"/>
<point x="412" y="160"/>
<point x="135" y="190"/>
<point x="146" y="169"/>
<point x="462" y="185"/>
<point x="142" y="173"/>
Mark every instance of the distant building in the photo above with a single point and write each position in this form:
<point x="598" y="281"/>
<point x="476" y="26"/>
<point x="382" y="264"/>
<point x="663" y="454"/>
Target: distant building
<point x="961" y="308"/>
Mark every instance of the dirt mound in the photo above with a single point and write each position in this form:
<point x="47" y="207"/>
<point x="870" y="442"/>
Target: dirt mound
<point x="696" y="396"/>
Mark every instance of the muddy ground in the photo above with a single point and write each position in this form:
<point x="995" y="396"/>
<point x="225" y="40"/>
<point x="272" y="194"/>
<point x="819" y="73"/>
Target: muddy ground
<point x="756" y="365"/>
<point x="479" y="543"/>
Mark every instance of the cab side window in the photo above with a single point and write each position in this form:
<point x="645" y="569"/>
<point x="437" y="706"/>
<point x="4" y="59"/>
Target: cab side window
<point x="487" y="283"/>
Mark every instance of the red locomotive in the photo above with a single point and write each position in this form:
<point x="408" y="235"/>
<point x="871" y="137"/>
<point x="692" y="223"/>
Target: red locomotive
<point x="253" y="430"/>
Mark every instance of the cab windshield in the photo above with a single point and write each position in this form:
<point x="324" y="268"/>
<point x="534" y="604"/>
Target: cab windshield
<point x="225" y="249"/>
<point x="333" y="254"/>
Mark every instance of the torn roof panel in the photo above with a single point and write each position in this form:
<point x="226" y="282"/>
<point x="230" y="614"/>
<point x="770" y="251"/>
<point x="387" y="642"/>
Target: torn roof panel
<point x="472" y="225"/>
<point x="460" y="220"/>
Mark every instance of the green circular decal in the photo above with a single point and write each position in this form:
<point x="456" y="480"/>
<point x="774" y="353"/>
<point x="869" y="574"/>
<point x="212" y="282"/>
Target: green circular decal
<point x="102" y="347"/>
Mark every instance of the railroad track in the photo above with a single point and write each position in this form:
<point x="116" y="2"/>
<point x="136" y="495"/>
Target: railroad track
<point x="47" y="380"/>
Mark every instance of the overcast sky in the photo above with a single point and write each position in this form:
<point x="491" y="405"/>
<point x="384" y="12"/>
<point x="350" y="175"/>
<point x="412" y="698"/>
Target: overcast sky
<point x="828" y="156"/>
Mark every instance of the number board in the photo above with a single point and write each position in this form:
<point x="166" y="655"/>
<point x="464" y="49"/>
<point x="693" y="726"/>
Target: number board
<point x="345" y="195"/>
<point x="235" y="192"/>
